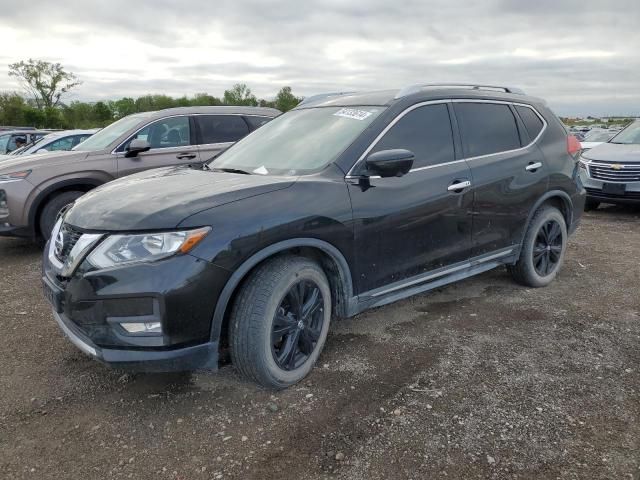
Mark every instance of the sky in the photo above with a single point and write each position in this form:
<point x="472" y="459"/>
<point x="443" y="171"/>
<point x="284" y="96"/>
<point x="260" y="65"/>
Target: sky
<point x="581" y="56"/>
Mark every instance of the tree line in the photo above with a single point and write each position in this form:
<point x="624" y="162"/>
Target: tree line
<point x="44" y="85"/>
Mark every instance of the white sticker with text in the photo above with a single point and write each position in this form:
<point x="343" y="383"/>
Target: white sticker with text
<point x="353" y="113"/>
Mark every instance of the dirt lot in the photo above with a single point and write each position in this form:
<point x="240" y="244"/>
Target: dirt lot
<point x="482" y="379"/>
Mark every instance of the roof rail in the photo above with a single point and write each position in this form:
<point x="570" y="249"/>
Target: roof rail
<point x="419" y="87"/>
<point x="322" y="96"/>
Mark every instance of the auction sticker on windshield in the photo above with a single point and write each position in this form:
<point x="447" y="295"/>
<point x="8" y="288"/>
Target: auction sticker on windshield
<point x="353" y="113"/>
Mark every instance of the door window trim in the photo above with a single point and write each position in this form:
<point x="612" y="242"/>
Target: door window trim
<point x="451" y="101"/>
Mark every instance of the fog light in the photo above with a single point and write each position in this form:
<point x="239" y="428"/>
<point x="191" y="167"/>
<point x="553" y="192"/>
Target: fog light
<point x="146" y="327"/>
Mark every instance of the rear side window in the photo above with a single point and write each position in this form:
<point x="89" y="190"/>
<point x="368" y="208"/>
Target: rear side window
<point x="487" y="128"/>
<point x="221" y="128"/>
<point x="531" y="121"/>
<point x="256" y="122"/>
<point x="426" y="131"/>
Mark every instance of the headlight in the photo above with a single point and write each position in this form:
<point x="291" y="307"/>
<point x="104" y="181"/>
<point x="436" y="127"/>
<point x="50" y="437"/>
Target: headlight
<point x="583" y="162"/>
<point x="12" y="177"/>
<point x="148" y="247"/>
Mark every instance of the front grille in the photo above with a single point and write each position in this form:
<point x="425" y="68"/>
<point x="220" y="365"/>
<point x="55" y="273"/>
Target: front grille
<point x="594" y="192"/>
<point x="615" y="172"/>
<point x="65" y="241"/>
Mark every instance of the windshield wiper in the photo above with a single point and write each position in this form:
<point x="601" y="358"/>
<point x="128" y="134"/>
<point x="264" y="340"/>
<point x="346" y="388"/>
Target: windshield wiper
<point x="230" y="170"/>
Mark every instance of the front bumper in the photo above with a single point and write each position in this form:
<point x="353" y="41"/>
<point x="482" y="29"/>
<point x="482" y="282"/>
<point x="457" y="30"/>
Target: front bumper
<point x="594" y="188"/>
<point x="179" y="292"/>
<point x="202" y="356"/>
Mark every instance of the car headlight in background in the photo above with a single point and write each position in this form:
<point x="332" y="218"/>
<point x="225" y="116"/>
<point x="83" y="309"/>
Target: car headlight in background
<point x="148" y="247"/>
<point x="12" y="177"/>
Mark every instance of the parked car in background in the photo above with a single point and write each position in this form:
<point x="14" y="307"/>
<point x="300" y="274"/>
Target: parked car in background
<point x="35" y="188"/>
<point x="595" y="138"/>
<point x="610" y="172"/>
<point x="345" y="203"/>
<point x="10" y="139"/>
<point x="54" y="142"/>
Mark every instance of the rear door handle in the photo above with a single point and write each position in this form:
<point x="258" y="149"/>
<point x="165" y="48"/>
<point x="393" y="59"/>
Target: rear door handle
<point x="459" y="185"/>
<point x="532" y="167"/>
<point x="183" y="156"/>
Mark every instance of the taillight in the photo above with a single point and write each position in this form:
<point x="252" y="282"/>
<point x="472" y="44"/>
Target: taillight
<point x="573" y="146"/>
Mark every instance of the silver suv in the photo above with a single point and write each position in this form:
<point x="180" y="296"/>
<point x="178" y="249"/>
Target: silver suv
<point x="34" y="189"/>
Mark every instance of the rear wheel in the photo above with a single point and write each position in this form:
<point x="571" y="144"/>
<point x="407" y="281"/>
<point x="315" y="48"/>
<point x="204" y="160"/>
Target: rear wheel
<point x="279" y="322"/>
<point x="543" y="249"/>
<point x="53" y="208"/>
<point x="591" y="204"/>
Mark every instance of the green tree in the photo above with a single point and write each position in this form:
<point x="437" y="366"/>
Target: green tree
<point x="285" y="100"/>
<point x="102" y="114"/>
<point x="44" y="81"/>
<point x="240" y="94"/>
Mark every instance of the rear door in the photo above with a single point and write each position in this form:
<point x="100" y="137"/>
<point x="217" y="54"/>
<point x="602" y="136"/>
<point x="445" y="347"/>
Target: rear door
<point x="216" y="133"/>
<point x="508" y="170"/>
<point x="409" y="225"/>
<point x="171" y="141"/>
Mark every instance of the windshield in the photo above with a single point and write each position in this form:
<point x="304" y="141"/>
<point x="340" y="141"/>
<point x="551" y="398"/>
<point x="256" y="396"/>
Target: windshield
<point x="108" y="135"/>
<point x="628" y="136"/>
<point x="298" y="142"/>
<point x="597" y="137"/>
<point x="4" y="140"/>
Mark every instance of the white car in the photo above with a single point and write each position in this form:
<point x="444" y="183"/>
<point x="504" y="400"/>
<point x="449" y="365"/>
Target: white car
<point x="57" y="141"/>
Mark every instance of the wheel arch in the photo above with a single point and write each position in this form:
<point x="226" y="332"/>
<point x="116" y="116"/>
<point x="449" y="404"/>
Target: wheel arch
<point x="557" y="198"/>
<point x="80" y="184"/>
<point x="330" y="258"/>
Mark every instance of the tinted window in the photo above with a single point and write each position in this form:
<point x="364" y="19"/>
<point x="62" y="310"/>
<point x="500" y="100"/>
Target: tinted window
<point x="531" y="121"/>
<point x="61" y="144"/>
<point x="487" y="128"/>
<point x="165" y="133"/>
<point x="256" y="122"/>
<point x="221" y="128"/>
<point x="426" y="131"/>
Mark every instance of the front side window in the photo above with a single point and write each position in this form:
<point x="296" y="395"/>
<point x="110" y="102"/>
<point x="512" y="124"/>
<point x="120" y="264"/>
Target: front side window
<point x="4" y="141"/>
<point x="298" y="142"/>
<point x="630" y="135"/>
<point x="165" y="133"/>
<point x="487" y="128"/>
<point x="221" y="128"/>
<point x="425" y="131"/>
<point x="60" y="144"/>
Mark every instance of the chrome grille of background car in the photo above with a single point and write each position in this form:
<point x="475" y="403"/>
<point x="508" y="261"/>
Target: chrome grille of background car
<point x="69" y="238"/>
<point x="625" y="172"/>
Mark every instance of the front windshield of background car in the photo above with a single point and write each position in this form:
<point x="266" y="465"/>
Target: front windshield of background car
<point x="628" y="136"/>
<point x="298" y="142"/>
<point x="597" y="137"/>
<point x="105" y="137"/>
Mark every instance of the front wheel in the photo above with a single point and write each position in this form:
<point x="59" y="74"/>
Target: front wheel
<point x="279" y="322"/>
<point x="52" y="209"/>
<point x="543" y="249"/>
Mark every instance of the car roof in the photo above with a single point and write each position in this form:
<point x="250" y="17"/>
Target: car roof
<point x="418" y="93"/>
<point x="24" y="132"/>
<point x="217" y="110"/>
<point x="78" y="131"/>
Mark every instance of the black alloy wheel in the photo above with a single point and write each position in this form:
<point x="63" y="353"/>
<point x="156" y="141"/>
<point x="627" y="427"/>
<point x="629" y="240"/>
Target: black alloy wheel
<point x="547" y="249"/>
<point x="297" y="325"/>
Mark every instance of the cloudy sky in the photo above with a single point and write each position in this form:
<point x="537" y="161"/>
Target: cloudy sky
<point x="582" y="56"/>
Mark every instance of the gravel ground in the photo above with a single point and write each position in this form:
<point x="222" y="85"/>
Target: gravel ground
<point x="481" y="379"/>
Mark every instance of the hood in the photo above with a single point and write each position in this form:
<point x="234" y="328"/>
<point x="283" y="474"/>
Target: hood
<point x="16" y="163"/>
<point x="614" y="152"/>
<point x="162" y="198"/>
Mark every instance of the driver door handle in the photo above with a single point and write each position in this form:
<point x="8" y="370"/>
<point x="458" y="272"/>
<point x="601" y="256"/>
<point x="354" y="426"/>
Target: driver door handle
<point x="459" y="185"/>
<point x="183" y="156"/>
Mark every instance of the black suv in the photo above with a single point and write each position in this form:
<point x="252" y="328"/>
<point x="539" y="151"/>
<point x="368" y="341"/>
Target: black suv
<point x="345" y="203"/>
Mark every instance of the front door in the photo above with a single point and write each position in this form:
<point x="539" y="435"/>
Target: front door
<point x="171" y="144"/>
<point x="508" y="170"/>
<point x="409" y="225"/>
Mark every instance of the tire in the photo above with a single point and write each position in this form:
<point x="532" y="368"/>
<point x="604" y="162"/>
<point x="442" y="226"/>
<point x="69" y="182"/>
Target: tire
<point x="591" y="204"/>
<point x="530" y="269"/>
<point x="52" y="208"/>
<point x="255" y="346"/>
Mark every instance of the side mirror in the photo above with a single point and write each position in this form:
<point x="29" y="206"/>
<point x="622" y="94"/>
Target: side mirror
<point x="390" y="163"/>
<point x="137" y="146"/>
